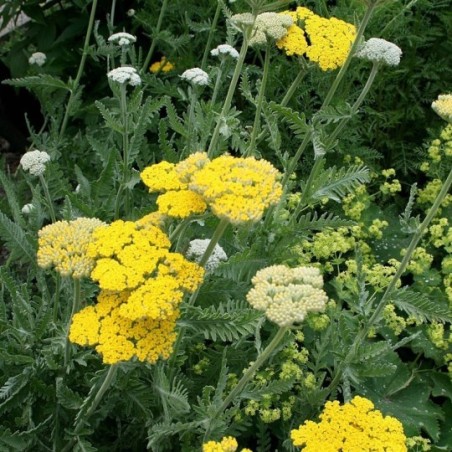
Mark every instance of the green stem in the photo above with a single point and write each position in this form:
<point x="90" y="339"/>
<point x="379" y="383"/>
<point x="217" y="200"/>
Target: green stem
<point x="112" y="15"/>
<point x="154" y="41"/>
<point x="212" y="30"/>
<point x="48" y="198"/>
<point x="56" y="301"/>
<point x="80" y="70"/>
<point x="356" y="105"/>
<point x="216" y="89"/>
<point x="191" y="115"/>
<point x="260" y="99"/>
<point x="249" y="374"/>
<point x="75" y="308"/>
<point x="229" y="95"/>
<point x="293" y="87"/>
<point x="219" y="231"/>
<point x="363" y="333"/>
<point x="83" y="418"/>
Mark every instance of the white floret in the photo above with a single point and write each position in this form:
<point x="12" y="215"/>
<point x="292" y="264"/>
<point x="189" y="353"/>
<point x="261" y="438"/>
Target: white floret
<point x="35" y="162"/>
<point x="122" y="38"/>
<point x="380" y="51"/>
<point x="38" y="58"/>
<point x="225" y="50"/>
<point x="196" y="76"/>
<point x="125" y="74"/>
<point x="197" y="248"/>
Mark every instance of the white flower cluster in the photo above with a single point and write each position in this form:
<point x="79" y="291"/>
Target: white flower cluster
<point x="122" y="38"/>
<point x="269" y="25"/>
<point x="37" y="58"/>
<point x="225" y="50"/>
<point x="242" y="21"/>
<point x="35" y="162"/>
<point x="196" y="76"/>
<point x="380" y="51"/>
<point x="125" y="74"/>
<point x="443" y="107"/>
<point x="286" y="295"/>
<point x="197" y="248"/>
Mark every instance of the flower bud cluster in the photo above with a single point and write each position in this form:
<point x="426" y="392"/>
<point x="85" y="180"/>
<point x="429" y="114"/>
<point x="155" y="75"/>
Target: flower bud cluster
<point x="287" y="295"/>
<point x="35" y="162"/>
<point x="197" y="248"/>
<point x="269" y="26"/>
<point x="380" y="51"/>
<point x="125" y="74"/>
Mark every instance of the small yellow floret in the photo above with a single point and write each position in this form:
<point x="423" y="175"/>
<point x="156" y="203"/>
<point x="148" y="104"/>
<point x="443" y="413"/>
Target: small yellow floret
<point x="161" y="66"/>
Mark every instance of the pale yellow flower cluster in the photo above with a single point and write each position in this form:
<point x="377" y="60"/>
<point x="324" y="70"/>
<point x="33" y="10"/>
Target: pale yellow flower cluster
<point x="354" y="426"/>
<point x="325" y="42"/>
<point x="227" y="444"/>
<point x="443" y="107"/>
<point x="236" y="189"/>
<point x="287" y="295"/>
<point x="64" y="244"/>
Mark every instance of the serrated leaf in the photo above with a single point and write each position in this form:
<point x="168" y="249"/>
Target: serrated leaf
<point x="174" y="121"/>
<point x="12" y="199"/>
<point x="297" y="121"/>
<point x="66" y="396"/>
<point x="42" y="80"/>
<point x="110" y="120"/>
<point x="10" y="441"/>
<point x="332" y="114"/>
<point x="419" y="305"/>
<point x="16" y="240"/>
<point x="314" y="222"/>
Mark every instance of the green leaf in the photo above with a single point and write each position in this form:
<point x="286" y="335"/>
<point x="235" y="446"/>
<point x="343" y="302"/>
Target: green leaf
<point x="297" y="121"/>
<point x="330" y="114"/>
<point x="42" y="80"/>
<point x="314" y="222"/>
<point x="335" y="184"/>
<point x="227" y="321"/>
<point x="12" y="199"/>
<point x="110" y="121"/>
<point x="66" y="396"/>
<point x="419" y="305"/>
<point x="12" y="441"/>
<point x="174" y="121"/>
<point x="16" y="240"/>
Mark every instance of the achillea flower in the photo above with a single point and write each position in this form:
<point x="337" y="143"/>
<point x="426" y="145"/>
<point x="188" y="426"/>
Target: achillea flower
<point x="126" y="254"/>
<point x="224" y="50"/>
<point x="197" y="248"/>
<point x="27" y="208"/>
<point x="238" y="189"/>
<point x="162" y="177"/>
<point x="325" y="42"/>
<point x="181" y="204"/>
<point x="188" y="167"/>
<point x="443" y="107"/>
<point x="64" y="245"/>
<point x="161" y="66"/>
<point x="353" y="426"/>
<point x="125" y="74"/>
<point x="242" y="21"/>
<point x="118" y="338"/>
<point x="227" y="444"/>
<point x="380" y="51"/>
<point x="287" y="295"/>
<point x="196" y="76"/>
<point x="37" y="58"/>
<point x="122" y="38"/>
<point x="271" y="26"/>
<point x="35" y="162"/>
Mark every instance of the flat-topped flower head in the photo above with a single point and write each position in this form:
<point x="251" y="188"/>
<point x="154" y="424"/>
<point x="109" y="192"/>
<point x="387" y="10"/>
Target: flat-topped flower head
<point x="125" y="74"/>
<point x="242" y="22"/>
<point x="162" y="177"/>
<point x="64" y="245"/>
<point x="118" y="338"/>
<point x="269" y="26"/>
<point x="353" y="426"/>
<point x="196" y="76"/>
<point x="181" y="203"/>
<point x="224" y="50"/>
<point x="325" y="42"/>
<point x="122" y="38"/>
<point x="196" y="250"/>
<point x="287" y="295"/>
<point x="443" y="107"/>
<point x="227" y="444"/>
<point x="35" y="162"/>
<point x="238" y="189"/>
<point x="161" y="66"/>
<point x="38" y="58"/>
<point x="380" y="51"/>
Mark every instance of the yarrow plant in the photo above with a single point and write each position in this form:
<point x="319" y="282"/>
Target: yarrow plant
<point x="122" y="39"/>
<point x="125" y="75"/>
<point x="380" y="51"/>
<point x="38" y="58"/>
<point x="224" y="50"/>
<point x="35" y="162"/>
<point x="443" y="107"/>
<point x="196" y="76"/>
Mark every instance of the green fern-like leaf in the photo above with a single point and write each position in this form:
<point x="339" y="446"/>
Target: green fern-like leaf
<point x="174" y="121"/>
<point x="40" y="81"/>
<point x="421" y="306"/>
<point x="227" y="321"/>
<point x="335" y="184"/>
<point x="297" y="121"/>
<point x="313" y="222"/>
<point x="109" y="118"/>
<point x="10" y="441"/>
<point x="12" y="199"/>
<point x="66" y="396"/>
<point x="16" y="240"/>
<point x="330" y="114"/>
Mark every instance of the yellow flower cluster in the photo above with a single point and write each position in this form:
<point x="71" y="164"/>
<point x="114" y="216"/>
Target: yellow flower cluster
<point x="325" y="42"/>
<point x="286" y="295"/>
<point x="135" y="258"/>
<point x="161" y="66"/>
<point x="443" y="107"/>
<point x="354" y="426"/>
<point x="227" y="444"/>
<point x="117" y="338"/>
<point x="172" y="179"/>
<point x="236" y="189"/>
<point x="64" y="244"/>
